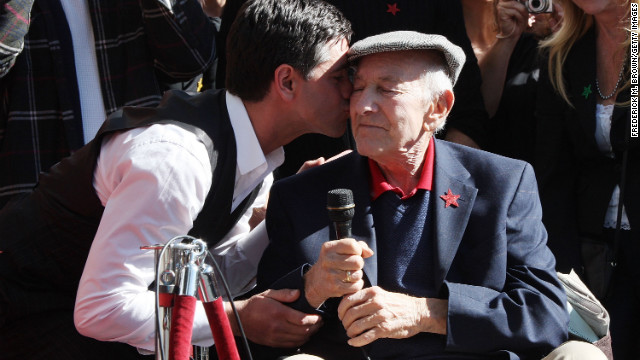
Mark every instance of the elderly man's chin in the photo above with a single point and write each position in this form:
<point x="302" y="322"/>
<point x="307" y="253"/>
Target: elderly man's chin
<point x="369" y="147"/>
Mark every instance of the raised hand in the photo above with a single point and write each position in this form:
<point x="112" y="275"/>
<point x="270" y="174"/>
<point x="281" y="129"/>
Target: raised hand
<point x="512" y="18"/>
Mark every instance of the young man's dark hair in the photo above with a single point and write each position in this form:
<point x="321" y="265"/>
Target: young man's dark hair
<point x="249" y="68"/>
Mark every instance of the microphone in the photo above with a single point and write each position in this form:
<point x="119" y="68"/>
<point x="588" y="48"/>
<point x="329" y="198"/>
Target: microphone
<point x="341" y="210"/>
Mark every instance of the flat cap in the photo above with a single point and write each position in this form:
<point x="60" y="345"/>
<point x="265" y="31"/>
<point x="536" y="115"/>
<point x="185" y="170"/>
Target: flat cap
<point x="410" y="40"/>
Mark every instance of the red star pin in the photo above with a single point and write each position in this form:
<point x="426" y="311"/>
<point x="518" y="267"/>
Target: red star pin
<point x="450" y="199"/>
<point x="393" y="9"/>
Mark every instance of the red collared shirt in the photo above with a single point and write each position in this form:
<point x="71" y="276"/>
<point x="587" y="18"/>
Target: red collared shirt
<point x="379" y="184"/>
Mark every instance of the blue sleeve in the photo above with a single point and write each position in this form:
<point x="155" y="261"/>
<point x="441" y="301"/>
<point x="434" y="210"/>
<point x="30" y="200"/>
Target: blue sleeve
<point x="280" y="266"/>
<point x="528" y="314"/>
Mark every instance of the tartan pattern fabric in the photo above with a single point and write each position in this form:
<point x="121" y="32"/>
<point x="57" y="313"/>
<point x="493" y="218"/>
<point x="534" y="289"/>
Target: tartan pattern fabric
<point x="14" y="28"/>
<point x="141" y="46"/>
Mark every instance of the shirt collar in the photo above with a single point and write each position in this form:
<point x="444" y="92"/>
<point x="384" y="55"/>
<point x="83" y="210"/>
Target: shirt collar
<point x="249" y="152"/>
<point x="379" y="184"/>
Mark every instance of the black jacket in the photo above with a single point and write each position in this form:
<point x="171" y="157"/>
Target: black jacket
<point x="576" y="179"/>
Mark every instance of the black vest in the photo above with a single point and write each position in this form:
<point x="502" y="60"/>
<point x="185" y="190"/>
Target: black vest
<point x="47" y="235"/>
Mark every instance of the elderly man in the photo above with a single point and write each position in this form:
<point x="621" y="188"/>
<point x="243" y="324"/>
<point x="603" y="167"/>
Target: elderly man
<point x="448" y="257"/>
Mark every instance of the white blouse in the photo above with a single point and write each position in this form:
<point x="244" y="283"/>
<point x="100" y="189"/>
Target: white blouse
<point x="603" y="132"/>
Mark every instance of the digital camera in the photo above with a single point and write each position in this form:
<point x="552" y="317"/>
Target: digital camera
<point x="538" y="6"/>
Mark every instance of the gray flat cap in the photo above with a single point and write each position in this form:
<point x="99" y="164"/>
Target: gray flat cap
<point x="410" y="40"/>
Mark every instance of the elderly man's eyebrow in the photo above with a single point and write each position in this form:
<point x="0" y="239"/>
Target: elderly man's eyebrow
<point x="389" y="79"/>
<point x="383" y="78"/>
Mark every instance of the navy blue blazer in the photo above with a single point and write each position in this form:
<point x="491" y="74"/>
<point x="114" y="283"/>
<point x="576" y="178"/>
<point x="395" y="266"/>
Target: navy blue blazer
<point x="490" y="256"/>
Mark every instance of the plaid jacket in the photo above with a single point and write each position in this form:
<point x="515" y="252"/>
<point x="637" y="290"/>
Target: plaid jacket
<point x="142" y="48"/>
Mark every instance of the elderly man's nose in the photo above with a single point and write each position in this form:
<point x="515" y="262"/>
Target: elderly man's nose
<point x="363" y="102"/>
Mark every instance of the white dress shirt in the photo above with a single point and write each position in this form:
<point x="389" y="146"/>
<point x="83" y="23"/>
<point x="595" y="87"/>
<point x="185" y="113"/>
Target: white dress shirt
<point x="153" y="182"/>
<point x="86" y="64"/>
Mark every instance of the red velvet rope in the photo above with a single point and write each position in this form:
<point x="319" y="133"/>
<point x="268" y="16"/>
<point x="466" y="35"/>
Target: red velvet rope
<point x="165" y="299"/>
<point x="221" y="330"/>
<point x="181" y="327"/>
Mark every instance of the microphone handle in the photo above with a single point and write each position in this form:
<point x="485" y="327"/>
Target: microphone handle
<point x="343" y="229"/>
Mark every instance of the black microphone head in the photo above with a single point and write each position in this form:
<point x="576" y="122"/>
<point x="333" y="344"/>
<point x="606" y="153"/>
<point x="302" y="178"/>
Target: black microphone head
<point x="340" y="205"/>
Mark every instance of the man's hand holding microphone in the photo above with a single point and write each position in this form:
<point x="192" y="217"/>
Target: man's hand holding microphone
<point x="337" y="272"/>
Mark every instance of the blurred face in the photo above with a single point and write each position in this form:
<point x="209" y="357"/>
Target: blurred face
<point x="595" y="7"/>
<point x="389" y="106"/>
<point x="325" y="94"/>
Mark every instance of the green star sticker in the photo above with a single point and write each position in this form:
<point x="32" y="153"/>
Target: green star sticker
<point x="586" y="91"/>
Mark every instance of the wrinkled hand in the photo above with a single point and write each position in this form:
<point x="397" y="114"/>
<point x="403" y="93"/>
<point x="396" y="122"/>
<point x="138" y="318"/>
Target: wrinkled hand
<point x="327" y="278"/>
<point x="375" y="313"/>
<point x="267" y="321"/>
<point x="512" y="18"/>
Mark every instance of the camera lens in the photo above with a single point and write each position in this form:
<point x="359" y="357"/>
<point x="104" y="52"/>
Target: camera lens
<point x="537" y="5"/>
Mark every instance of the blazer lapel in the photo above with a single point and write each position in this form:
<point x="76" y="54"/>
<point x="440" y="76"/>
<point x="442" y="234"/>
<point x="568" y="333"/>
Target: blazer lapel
<point x="449" y="221"/>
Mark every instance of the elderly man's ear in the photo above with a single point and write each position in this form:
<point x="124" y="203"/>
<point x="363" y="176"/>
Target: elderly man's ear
<point x="439" y="110"/>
